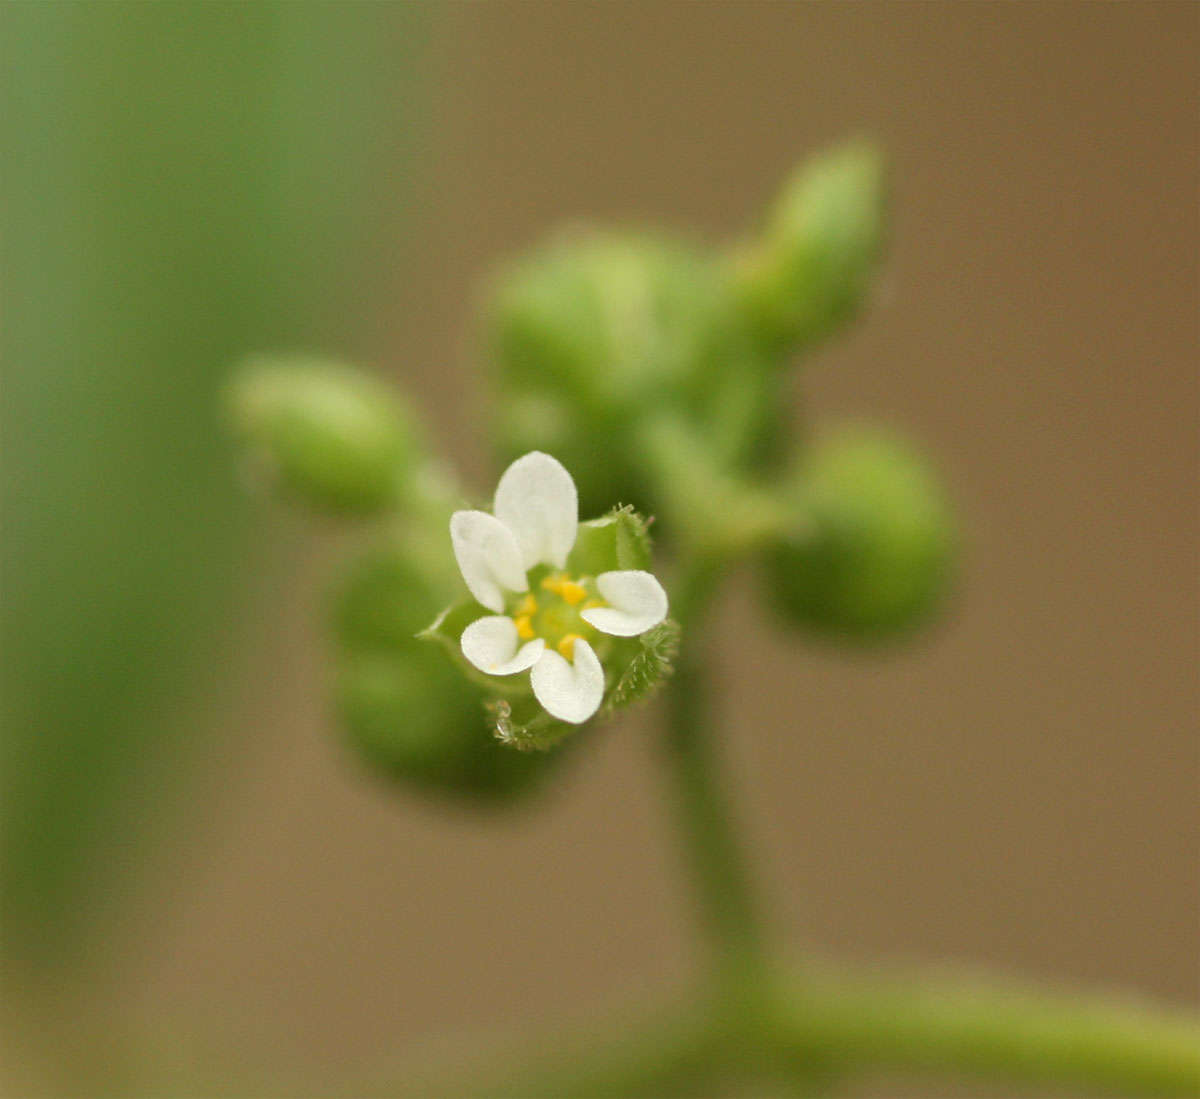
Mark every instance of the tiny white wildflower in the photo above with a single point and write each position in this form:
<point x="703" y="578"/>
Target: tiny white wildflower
<point x="548" y="632"/>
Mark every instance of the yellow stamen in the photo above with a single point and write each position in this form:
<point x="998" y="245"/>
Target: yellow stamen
<point x="528" y="606"/>
<point x="571" y="592"/>
<point x="567" y="645"/>
<point x="553" y="583"/>
<point x="524" y="627"/>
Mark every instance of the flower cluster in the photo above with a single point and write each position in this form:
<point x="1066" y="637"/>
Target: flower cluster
<point x="546" y="621"/>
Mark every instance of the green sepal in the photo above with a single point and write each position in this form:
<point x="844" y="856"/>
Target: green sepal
<point x="619" y="540"/>
<point x="447" y="629"/>
<point x="522" y="724"/>
<point x="649" y="661"/>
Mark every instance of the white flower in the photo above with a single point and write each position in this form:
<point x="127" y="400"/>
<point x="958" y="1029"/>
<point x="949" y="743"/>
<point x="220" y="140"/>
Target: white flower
<point x="550" y="631"/>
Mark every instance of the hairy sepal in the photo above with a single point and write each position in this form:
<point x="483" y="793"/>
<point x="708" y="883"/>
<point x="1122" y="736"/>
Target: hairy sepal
<point x="642" y="664"/>
<point x="617" y="541"/>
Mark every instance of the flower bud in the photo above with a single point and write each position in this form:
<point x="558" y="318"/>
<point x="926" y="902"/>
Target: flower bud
<point x="605" y="318"/>
<point x="588" y="334"/>
<point x="405" y="708"/>
<point x="409" y="715"/>
<point x="390" y="593"/>
<point x="338" y="439"/>
<point x="810" y="270"/>
<point x="874" y="543"/>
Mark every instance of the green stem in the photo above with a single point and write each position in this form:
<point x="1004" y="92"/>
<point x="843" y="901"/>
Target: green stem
<point x="930" y="1024"/>
<point x="755" y="1025"/>
<point x="719" y="514"/>
<point x="718" y="866"/>
<point x="835" y="1026"/>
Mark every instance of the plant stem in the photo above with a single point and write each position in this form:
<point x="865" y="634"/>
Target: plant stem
<point x="932" y="1023"/>
<point x="756" y="1024"/>
<point x="841" y="1023"/>
<point x="834" y="1025"/>
<point x="718" y="867"/>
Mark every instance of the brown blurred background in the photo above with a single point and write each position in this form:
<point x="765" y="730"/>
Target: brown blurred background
<point x="1017" y="791"/>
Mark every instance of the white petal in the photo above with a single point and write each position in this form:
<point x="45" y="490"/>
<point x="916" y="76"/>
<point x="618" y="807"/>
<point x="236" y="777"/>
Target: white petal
<point x="491" y="645"/>
<point x="637" y="600"/>
<point x="569" y="691"/>
<point x="537" y="501"/>
<point x="488" y="557"/>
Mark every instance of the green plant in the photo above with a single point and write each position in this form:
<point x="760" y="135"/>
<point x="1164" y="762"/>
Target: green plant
<point x="652" y="371"/>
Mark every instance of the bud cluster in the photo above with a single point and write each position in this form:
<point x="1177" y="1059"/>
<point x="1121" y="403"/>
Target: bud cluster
<point x="630" y="369"/>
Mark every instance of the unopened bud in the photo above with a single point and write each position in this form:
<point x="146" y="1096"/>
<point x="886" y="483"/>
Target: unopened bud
<point x="811" y="269"/>
<point x="390" y="593"/>
<point x="874" y="542"/>
<point x="591" y="332"/>
<point x="337" y="438"/>
<point x="410" y="717"/>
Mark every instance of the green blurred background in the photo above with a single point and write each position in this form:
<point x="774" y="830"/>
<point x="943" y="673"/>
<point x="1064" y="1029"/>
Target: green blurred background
<point x="198" y="885"/>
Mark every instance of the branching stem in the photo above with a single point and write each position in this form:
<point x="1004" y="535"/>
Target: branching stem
<point x="755" y="1022"/>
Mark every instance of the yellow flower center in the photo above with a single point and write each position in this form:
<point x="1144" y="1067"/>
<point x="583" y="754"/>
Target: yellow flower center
<point x="566" y="645"/>
<point x="553" y="614"/>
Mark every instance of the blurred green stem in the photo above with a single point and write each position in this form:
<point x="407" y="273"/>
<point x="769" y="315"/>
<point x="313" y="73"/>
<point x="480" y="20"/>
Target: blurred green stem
<point x="753" y="1021"/>
<point x="826" y="1024"/>
<point x="932" y="1023"/>
<point x="835" y="1024"/>
<point x="714" y="853"/>
<point x="717" y="514"/>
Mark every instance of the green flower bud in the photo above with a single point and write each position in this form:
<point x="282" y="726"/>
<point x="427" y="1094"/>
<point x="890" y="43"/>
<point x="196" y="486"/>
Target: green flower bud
<point x="593" y="332"/>
<point x="338" y="439"/>
<point x="410" y="717"/>
<point x="874" y="544"/>
<point x="809" y="272"/>
<point x="606" y="319"/>
<point x="405" y="708"/>
<point x="390" y="594"/>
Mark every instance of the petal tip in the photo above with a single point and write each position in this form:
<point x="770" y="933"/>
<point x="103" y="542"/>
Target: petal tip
<point x="570" y="691"/>
<point x="637" y="603"/>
